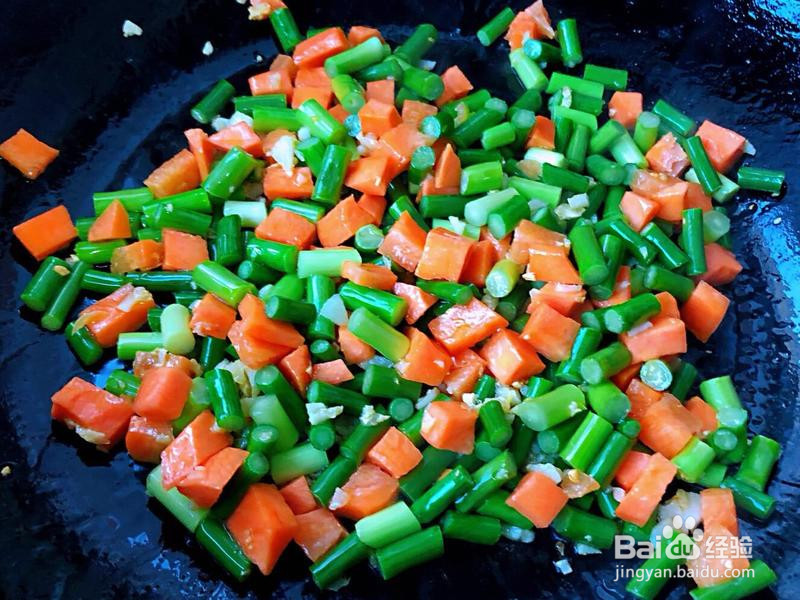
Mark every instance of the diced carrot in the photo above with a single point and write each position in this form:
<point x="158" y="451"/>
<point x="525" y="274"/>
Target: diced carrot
<point x="333" y="372"/>
<point x="672" y="201"/>
<point x="428" y="188"/>
<point x="696" y="198"/>
<point x="320" y="94"/>
<point x="638" y="210"/>
<point x="374" y="205"/>
<point x="667" y="156"/>
<point x="262" y="525"/>
<point x="255" y="353"/>
<point x="99" y="416"/>
<point x="527" y="234"/>
<point x="359" y="33"/>
<point x="312" y="77"/>
<point x="202" y="150"/>
<point x="279" y="184"/>
<point x="205" y="482"/>
<point x="27" y="154"/>
<point x="643" y="498"/>
<point x="664" y="428"/>
<point x="704" y="310"/>
<point x="283" y="62"/>
<point x="341" y="222"/>
<point x="414" y="112"/>
<point x="668" y="191"/>
<point x="669" y="306"/>
<point x="287" y="227"/>
<point x="317" y="532"/>
<point x="378" y="117"/>
<point x="456" y="85"/>
<point x="543" y="134"/>
<point x="510" y="357"/>
<point x="146" y="439"/>
<point x="641" y="395"/>
<point x="523" y="27"/>
<point x="625" y="107"/>
<point x="368" y="175"/>
<point x="468" y="367"/>
<point x="313" y="51"/>
<point x="723" y="146"/>
<point x="211" y="317"/>
<point x="241" y="135"/>
<point x="260" y="10"/>
<point x="463" y="325"/>
<point x="480" y="261"/>
<point x="298" y="496"/>
<point x="717" y="508"/>
<point x="443" y="255"/>
<point x="538" y="498"/>
<point x="354" y="350"/>
<point x="368" y="275"/>
<point x="404" y="242"/>
<point x="630" y="468"/>
<point x="105" y="320"/>
<point x="193" y="446"/>
<point x="145" y="361"/>
<point x="144" y="255"/>
<point x="112" y="224"/>
<point x="448" y="168"/>
<point x="399" y="144"/>
<point x="550" y="333"/>
<point x="260" y="326"/>
<point x="562" y="297"/>
<point x="721" y="265"/>
<point x="394" y="453"/>
<point x="419" y="301"/>
<point x="381" y="91"/>
<point x="178" y="174"/>
<point x="624" y="378"/>
<point x="425" y="361"/>
<point x="271" y="82"/>
<point x="539" y="13"/>
<point x="162" y="394"/>
<point x="367" y="491"/>
<point x="550" y="263"/>
<point x="339" y="113"/>
<point x="449" y="425"/>
<point x="622" y="289"/>
<point x="182" y="251"/>
<point x="721" y="557"/>
<point x="705" y="413"/>
<point x="661" y="338"/>
<point x="296" y="367"/>
<point x="47" y="232"/>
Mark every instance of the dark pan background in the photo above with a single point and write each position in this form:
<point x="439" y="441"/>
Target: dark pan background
<point x="75" y="523"/>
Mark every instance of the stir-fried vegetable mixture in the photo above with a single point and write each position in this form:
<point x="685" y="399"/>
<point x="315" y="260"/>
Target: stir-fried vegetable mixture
<point x="377" y="308"/>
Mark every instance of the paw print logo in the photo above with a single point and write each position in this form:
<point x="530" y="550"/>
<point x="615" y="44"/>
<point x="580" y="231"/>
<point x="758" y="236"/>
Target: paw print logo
<point x="680" y="547"/>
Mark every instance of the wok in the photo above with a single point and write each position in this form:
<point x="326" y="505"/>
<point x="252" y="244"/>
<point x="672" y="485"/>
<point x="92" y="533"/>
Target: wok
<point x="76" y="523"/>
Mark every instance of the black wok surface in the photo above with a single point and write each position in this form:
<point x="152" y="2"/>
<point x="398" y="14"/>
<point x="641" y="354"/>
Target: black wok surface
<point x="76" y="523"/>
